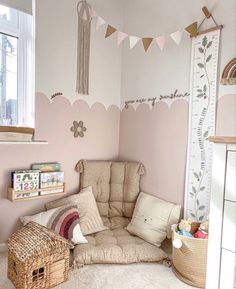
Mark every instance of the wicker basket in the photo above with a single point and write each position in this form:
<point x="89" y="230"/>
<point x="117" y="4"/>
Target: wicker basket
<point x="189" y="262"/>
<point x="37" y="258"/>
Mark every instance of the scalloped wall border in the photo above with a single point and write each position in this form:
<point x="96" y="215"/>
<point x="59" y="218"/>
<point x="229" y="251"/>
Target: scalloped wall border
<point x="122" y="107"/>
<point x="106" y="108"/>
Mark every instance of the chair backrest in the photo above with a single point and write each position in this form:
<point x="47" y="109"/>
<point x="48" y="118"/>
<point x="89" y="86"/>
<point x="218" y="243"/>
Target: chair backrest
<point x="116" y="185"/>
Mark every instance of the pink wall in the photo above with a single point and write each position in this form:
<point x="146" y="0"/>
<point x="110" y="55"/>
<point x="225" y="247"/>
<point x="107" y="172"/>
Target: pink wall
<point x="158" y="138"/>
<point x="53" y="122"/>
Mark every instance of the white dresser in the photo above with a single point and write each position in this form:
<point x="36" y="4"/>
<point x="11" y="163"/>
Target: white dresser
<point x="221" y="261"/>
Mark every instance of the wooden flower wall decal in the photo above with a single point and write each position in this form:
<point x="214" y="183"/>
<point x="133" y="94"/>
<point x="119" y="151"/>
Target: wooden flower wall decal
<point x="78" y="128"/>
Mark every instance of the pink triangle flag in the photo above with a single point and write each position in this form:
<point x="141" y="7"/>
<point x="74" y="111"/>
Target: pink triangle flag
<point x="161" y="40"/>
<point x="133" y="40"/>
<point x="176" y="36"/>
<point x="100" y="22"/>
<point x="121" y="37"/>
<point x="93" y="13"/>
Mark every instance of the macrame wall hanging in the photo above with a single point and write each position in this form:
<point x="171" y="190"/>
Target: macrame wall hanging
<point x="84" y="31"/>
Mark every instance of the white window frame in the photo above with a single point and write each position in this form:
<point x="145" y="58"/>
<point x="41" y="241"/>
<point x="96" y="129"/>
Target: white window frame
<point x="23" y="29"/>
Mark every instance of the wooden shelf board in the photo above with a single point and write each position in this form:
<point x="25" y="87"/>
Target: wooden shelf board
<point x="37" y="190"/>
<point x="223" y="139"/>
<point x="38" y="197"/>
<point x="209" y="30"/>
<point x="12" y="193"/>
<point x="36" y="142"/>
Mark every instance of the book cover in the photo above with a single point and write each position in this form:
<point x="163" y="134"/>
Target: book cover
<point x="52" y="179"/>
<point x="25" y="180"/>
<point x="47" y="167"/>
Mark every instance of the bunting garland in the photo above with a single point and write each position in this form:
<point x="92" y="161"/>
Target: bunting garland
<point x="146" y="41"/>
<point x="133" y="40"/>
<point x="161" y="40"/>
<point x="110" y="30"/>
<point x="192" y="29"/>
<point x="176" y="36"/>
<point x="100" y="22"/>
<point x="93" y="13"/>
<point x="121" y="37"/>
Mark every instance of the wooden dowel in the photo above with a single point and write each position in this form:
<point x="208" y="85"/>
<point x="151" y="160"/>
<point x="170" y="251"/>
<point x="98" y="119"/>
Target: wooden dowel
<point x="208" y="30"/>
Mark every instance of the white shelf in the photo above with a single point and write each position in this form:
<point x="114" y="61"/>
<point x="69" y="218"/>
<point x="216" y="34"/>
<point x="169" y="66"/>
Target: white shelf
<point x="37" y="142"/>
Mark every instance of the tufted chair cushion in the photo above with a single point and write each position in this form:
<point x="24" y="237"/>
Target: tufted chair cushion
<point x="116" y="246"/>
<point x="115" y="187"/>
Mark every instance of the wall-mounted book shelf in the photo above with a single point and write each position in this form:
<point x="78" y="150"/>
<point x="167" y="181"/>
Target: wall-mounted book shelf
<point x="35" y="142"/>
<point x="27" y="195"/>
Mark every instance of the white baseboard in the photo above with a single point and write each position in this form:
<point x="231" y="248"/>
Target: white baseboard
<point x="3" y="247"/>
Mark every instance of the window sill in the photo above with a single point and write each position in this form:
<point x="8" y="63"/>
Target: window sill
<point x="36" y="142"/>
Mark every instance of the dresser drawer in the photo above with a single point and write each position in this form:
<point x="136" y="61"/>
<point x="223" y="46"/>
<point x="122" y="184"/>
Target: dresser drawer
<point x="230" y="182"/>
<point x="227" y="271"/>
<point x="229" y="226"/>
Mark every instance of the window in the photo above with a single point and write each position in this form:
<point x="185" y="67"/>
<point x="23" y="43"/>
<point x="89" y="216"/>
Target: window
<point x="16" y="68"/>
<point x="14" y="267"/>
<point x="38" y="274"/>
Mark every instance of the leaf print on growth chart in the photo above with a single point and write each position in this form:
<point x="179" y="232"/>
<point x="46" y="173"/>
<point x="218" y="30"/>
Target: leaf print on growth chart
<point x="204" y="96"/>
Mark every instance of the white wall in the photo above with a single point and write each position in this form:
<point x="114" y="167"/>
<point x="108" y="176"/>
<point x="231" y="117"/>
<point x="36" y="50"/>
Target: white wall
<point x="153" y="73"/>
<point x="56" y="46"/>
<point x="117" y="75"/>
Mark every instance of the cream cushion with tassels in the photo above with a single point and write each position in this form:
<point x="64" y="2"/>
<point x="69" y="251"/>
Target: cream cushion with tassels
<point x="152" y="219"/>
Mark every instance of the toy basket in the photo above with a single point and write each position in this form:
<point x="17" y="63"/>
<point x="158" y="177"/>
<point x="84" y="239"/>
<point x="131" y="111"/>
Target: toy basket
<point x="189" y="261"/>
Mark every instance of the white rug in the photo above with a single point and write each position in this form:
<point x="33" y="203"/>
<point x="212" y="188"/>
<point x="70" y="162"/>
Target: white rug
<point x="134" y="276"/>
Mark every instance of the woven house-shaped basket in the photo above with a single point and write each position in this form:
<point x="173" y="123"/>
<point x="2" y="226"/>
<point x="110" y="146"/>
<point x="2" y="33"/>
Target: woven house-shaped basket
<point x="38" y="258"/>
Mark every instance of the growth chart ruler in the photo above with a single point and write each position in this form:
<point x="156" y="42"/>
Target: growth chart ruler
<point x="202" y="106"/>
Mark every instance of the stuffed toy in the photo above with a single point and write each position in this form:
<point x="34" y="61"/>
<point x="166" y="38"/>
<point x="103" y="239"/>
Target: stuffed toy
<point x="188" y="227"/>
<point x="185" y="228"/>
<point x="202" y="232"/>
